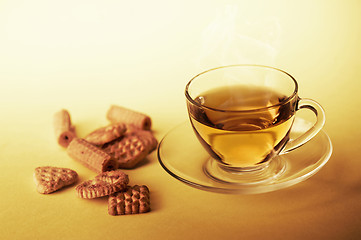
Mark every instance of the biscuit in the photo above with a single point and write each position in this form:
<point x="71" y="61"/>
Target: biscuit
<point x="127" y="151"/>
<point x="103" y="184"/>
<point x="95" y="188"/>
<point x="134" y="200"/>
<point x="106" y="134"/>
<point x="63" y="129"/>
<point x="120" y="114"/>
<point x="147" y="137"/>
<point x="91" y="156"/>
<point x="50" y="179"/>
<point x="115" y="177"/>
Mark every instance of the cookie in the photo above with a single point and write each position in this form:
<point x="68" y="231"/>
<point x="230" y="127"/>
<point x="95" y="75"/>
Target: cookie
<point x="94" y="189"/>
<point x="91" y="156"/>
<point x="103" y="184"/>
<point x="115" y="177"/>
<point x="134" y="200"/>
<point x="106" y="134"/>
<point x="147" y="137"/>
<point x="50" y="179"/>
<point x="63" y="129"/>
<point x="127" y="151"/>
<point x="124" y="115"/>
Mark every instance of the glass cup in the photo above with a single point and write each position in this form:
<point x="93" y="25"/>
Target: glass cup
<point x="243" y="115"/>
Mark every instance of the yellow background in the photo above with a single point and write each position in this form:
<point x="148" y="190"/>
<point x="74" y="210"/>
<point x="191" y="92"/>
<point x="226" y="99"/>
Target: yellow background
<point x="86" y="55"/>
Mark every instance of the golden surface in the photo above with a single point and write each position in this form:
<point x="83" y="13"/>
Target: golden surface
<point x="86" y="55"/>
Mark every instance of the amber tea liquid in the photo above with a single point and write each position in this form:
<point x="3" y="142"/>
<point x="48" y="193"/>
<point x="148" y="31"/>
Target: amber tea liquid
<point x="242" y="139"/>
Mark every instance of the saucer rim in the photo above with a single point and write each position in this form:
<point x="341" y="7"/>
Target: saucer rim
<point x="273" y="186"/>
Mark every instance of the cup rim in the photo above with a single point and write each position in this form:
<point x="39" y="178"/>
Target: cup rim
<point x="285" y="101"/>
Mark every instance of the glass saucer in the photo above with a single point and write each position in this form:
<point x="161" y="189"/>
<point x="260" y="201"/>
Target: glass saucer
<point x="184" y="158"/>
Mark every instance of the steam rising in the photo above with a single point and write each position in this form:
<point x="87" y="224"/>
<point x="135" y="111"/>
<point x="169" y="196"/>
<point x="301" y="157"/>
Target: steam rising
<point x="231" y="39"/>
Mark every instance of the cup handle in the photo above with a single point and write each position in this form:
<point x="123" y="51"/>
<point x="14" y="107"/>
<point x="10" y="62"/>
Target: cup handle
<point x="310" y="133"/>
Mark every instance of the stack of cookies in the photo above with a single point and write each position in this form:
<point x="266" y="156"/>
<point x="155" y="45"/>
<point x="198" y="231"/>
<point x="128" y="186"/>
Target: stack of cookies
<point x="122" y="144"/>
<point x="125" y="142"/>
<point x="123" y="199"/>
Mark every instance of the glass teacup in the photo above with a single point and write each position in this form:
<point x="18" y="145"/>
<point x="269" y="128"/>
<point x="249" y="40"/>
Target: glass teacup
<point x="243" y="115"/>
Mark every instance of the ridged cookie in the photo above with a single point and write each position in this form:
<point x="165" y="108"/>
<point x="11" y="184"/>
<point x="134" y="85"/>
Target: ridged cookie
<point x="127" y="151"/>
<point x="63" y="128"/>
<point x="50" y="179"/>
<point x="90" y="156"/>
<point x="106" y="134"/>
<point x="146" y="136"/>
<point x="115" y="177"/>
<point x="103" y="184"/>
<point x="124" y="115"/>
<point x="134" y="200"/>
<point x="94" y="189"/>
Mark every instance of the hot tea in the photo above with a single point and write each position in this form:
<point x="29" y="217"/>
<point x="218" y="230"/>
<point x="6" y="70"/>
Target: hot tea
<point x="237" y="134"/>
